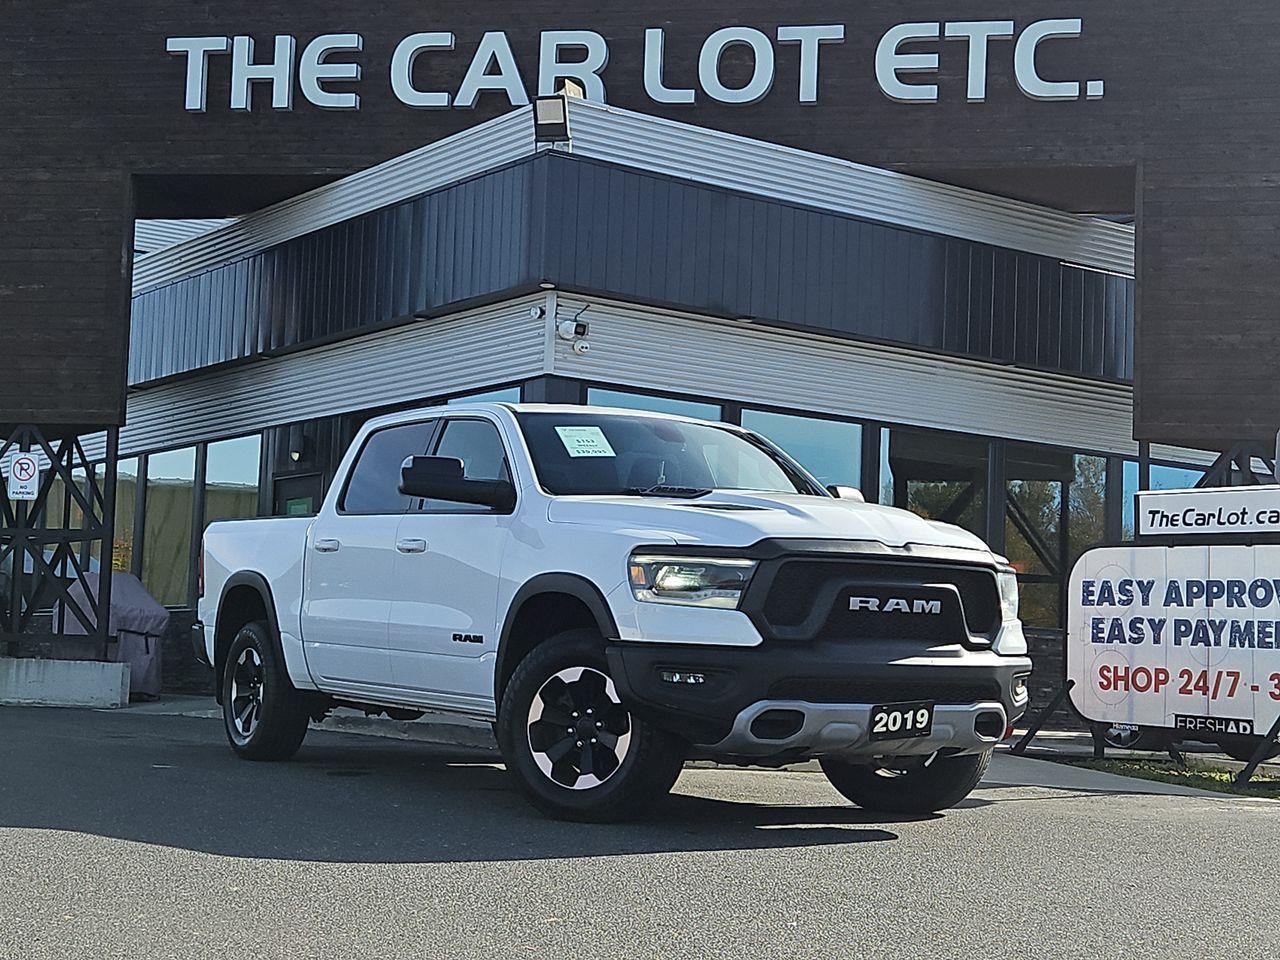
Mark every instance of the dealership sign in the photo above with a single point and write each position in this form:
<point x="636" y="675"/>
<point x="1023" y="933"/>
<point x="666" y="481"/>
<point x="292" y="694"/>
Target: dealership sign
<point x="330" y="74"/>
<point x="1250" y="511"/>
<point x="1181" y="637"/>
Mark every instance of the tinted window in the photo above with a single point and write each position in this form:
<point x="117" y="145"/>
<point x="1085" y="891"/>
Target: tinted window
<point x="477" y="444"/>
<point x="375" y="479"/>
<point x="609" y="454"/>
<point x="829" y="449"/>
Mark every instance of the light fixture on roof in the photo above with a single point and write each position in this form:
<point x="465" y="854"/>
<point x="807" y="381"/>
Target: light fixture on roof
<point x="551" y="118"/>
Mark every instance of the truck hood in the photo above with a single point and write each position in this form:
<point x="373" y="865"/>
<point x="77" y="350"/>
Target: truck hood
<point x="728" y="519"/>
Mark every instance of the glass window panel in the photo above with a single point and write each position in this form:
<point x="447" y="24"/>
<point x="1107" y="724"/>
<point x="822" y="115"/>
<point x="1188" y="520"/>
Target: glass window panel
<point x="231" y="479"/>
<point x="166" y="533"/>
<point x="477" y="444"/>
<point x="640" y="401"/>
<point x="829" y="449"/>
<point x="126" y="498"/>
<point x="1163" y="477"/>
<point x="506" y="395"/>
<point x="941" y="476"/>
<point x="375" y="479"/>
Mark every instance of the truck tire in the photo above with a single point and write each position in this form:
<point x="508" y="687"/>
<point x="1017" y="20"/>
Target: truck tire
<point x="265" y="717"/>
<point x="942" y="784"/>
<point x="576" y="752"/>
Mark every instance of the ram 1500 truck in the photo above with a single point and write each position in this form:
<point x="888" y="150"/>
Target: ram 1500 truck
<point x="618" y="591"/>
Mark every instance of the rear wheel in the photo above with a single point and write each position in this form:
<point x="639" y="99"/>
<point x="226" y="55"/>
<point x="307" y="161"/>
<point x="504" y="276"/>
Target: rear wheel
<point x="265" y="717"/>
<point x="907" y="785"/>
<point x="575" y="750"/>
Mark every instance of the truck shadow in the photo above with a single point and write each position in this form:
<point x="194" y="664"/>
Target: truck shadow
<point x="172" y="782"/>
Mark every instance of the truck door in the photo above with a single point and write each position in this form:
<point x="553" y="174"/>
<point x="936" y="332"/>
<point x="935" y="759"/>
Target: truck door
<point x="349" y="565"/>
<point x="443" y="627"/>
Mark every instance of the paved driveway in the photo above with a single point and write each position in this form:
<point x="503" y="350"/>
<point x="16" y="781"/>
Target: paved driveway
<point x="141" y="836"/>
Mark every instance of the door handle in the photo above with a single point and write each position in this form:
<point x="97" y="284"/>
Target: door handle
<point x="411" y="545"/>
<point x="327" y="546"/>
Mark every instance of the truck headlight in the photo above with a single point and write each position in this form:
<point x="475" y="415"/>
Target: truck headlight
<point x="1008" y="583"/>
<point x="691" y="581"/>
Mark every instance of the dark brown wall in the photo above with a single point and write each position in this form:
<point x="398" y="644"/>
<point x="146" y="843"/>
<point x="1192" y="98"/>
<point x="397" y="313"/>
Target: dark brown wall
<point x="90" y="100"/>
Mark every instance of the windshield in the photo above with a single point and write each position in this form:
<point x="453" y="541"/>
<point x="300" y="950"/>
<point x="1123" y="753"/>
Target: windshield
<point x="602" y="454"/>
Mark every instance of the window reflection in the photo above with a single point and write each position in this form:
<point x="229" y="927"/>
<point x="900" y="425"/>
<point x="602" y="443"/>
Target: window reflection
<point x="641" y="401"/>
<point x="829" y="449"/>
<point x="166" y="536"/>
<point x="1163" y="477"/>
<point x="231" y="479"/>
<point x="940" y="476"/>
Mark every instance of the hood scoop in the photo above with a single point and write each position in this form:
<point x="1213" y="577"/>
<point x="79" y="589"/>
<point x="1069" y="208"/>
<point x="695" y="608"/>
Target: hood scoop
<point x="728" y="507"/>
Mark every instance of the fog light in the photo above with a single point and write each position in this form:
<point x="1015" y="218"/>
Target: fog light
<point x="1020" y="689"/>
<point x="676" y="676"/>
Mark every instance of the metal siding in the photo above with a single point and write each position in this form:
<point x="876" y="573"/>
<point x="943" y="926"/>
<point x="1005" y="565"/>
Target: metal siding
<point x="796" y="176"/>
<point x="652" y="349"/>
<point x="470" y="350"/>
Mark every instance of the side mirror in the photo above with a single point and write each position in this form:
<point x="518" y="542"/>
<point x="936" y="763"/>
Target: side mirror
<point x="846" y="493"/>
<point x="442" y="478"/>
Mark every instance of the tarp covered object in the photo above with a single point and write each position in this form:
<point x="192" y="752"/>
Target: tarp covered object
<point x="137" y="621"/>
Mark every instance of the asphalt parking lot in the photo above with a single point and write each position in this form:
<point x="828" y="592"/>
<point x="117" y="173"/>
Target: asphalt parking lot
<point x="125" y="835"/>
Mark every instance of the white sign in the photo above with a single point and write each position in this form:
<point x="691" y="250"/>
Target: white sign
<point x="585" y="442"/>
<point x="1246" y="510"/>
<point x="906" y="67"/>
<point x="1180" y="637"/>
<point x="24" y="476"/>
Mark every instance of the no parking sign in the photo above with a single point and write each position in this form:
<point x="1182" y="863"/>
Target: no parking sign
<point x="24" y="477"/>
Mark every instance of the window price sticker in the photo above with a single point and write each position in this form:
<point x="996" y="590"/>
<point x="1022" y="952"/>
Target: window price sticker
<point x="585" y="442"/>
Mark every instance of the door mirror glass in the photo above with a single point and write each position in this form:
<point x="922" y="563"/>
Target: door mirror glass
<point x="841" y="492"/>
<point x="442" y="478"/>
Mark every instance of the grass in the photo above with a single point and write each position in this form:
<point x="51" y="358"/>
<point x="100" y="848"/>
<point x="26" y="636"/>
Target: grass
<point x="1202" y="775"/>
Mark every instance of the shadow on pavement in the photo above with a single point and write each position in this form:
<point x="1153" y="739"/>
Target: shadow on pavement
<point x="172" y="781"/>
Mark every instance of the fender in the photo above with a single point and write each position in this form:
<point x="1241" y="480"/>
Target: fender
<point x="568" y="583"/>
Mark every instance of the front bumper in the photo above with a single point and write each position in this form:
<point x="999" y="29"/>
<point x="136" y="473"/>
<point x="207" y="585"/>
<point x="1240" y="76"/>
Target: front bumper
<point x="831" y="686"/>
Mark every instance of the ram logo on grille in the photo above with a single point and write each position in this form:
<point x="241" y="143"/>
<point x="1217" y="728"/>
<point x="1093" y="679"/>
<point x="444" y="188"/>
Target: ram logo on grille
<point x="895" y="605"/>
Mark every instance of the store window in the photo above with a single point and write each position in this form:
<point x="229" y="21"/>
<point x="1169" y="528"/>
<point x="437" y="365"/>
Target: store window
<point x="1163" y="477"/>
<point x="506" y="395"/>
<point x="941" y="476"/>
<point x="1055" y="508"/>
<point x="829" y="449"/>
<point x="231" y="479"/>
<point x="126" y="499"/>
<point x="641" y="401"/>
<point x="166" y="534"/>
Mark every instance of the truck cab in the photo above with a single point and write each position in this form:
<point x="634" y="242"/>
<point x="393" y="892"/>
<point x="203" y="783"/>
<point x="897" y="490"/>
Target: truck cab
<point x="617" y="592"/>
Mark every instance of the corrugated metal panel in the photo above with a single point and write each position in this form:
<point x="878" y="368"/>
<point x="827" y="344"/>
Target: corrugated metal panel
<point x="679" y="353"/>
<point x="455" y="158"/>
<point x="468" y="351"/>
<point x="150" y="236"/>
<point x="466" y="241"/>
<point x="738" y="163"/>
<point x="650" y="239"/>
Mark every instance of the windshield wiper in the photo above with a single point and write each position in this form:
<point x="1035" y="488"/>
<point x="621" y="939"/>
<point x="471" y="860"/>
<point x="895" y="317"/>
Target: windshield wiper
<point x="664" y="490"/>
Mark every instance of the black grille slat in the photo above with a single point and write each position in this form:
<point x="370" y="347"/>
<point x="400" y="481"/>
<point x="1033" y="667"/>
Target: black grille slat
<point x="827" y="690"/>
<point x="797" y="585"/>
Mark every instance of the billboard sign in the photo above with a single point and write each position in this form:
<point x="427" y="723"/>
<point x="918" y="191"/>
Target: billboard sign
<point x="1184" y="637"/>
<point x="1212" y="511"/>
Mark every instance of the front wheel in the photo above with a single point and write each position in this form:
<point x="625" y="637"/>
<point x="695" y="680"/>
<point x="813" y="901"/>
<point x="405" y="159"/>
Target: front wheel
<point x="575" y="750"/>
<point x="907" y="787"/>
<point x="265" y="717"/>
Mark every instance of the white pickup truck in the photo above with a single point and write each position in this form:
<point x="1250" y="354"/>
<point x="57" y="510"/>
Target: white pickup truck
<point x="617" y="592"/>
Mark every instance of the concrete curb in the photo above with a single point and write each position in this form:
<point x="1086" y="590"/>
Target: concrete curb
<point x="63" y="683"/>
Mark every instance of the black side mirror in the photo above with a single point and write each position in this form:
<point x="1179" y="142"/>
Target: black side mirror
<point x="841" y="492"/>
<point x="442" y="478"/>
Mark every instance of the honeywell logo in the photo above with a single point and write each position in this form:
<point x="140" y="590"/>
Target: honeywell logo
<point x="895" y="605"/>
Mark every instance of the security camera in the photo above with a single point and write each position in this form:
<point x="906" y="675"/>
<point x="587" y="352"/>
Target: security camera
<point x="581" y="347"/>
<point x="537" y="312"/>
<point x="572" y="329"/>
